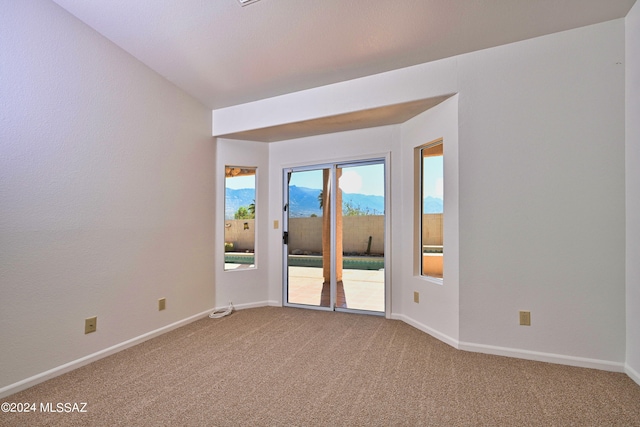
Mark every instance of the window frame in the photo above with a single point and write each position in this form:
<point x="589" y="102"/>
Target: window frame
<point x="419" y="210"/>
<point x="243" y="172"/>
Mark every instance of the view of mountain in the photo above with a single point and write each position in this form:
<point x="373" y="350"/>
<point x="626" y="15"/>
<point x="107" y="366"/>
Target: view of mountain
<point x="303" y="202"/>
<point x="236" y="198"/>
<point x="372" y="205"/>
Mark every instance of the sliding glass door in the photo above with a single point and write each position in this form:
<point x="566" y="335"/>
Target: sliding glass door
<point x="333" y="237"/>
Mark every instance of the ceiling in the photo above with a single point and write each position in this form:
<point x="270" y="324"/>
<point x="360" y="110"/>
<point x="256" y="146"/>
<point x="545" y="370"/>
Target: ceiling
<point x="224" y="54"/>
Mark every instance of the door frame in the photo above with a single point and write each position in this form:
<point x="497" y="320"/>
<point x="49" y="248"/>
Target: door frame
<point x="333" y="166"/>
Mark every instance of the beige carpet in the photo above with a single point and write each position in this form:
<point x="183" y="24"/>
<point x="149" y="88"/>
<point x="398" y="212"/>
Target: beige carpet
<point x="284" y="367"/>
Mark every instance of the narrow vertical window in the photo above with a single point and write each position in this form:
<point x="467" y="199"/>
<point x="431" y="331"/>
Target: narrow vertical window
<point x="431" y="209"/>
<point x="239" y="217"/>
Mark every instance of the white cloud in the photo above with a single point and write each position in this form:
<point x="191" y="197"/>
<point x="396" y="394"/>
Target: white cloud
<point x="439" y="190"/>
<point x="350" y="181"/>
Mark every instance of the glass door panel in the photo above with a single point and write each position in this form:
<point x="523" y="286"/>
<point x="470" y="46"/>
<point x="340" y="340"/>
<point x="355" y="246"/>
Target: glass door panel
<point x="307" y="237"/>
<point x="360" y="233"/>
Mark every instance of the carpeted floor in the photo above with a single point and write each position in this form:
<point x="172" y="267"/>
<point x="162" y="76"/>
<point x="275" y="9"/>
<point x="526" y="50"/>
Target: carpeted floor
<point x="291" y="367"/>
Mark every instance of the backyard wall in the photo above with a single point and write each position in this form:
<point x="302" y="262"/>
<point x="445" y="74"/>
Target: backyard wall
<point x="243" y="239"/>
<point x="305" y="234"/>
<point x="432" y="228"/>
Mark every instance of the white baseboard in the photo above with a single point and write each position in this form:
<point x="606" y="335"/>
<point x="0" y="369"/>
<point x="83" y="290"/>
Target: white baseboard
<point x="424" y="328"/>
<point x="561" y="359"/>
<point x="604" y="365"/>
<point x="632" y="373"/>
<point x="67" y="367"/>
<point x="268" y="303"/>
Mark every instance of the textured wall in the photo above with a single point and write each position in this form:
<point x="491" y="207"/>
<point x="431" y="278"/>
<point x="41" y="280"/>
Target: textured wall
<point x="432" y="227"/>
<point x="541" y="165"/>
<point x="106" y="194"/>
<point x="306" y="234"/>
<point x="633" y="189"/>
<point x="243" y="239"/>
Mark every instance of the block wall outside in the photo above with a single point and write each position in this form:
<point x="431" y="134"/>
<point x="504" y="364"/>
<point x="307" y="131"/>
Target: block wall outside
<point x="357" y="230"/>
<point x="305" y="234"/>
<point x="432" y="229"/>
<point x="234" y="232"/>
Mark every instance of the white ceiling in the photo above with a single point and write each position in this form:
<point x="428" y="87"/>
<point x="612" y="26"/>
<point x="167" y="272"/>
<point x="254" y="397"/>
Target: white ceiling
<point x="225" y="54"/>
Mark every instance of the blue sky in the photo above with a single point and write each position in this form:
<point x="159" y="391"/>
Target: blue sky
<point x="432" y="183"/>
<point x="238" y="182"/>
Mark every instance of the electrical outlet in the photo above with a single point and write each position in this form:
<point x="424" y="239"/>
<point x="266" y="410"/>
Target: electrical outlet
<point x="416" y="297"/>
<point x="162" y="304"/>
<point x="90" y="324"/>
<point x="525" y="318"/>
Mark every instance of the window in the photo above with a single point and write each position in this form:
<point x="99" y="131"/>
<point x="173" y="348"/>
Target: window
<point x="431" y="208"/>
<point x="239" y="217"/>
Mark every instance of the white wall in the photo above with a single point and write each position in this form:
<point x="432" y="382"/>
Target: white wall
<point x="542" y="162"/>
<point x="437" y="312"/>
<point x="633" y="190"/>
<point x="246" y="287"/>
<point x="540" y="131"/>
<point x="106" y="195"/>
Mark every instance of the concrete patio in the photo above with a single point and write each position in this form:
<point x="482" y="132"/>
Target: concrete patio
<point x="364" y="289"/>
